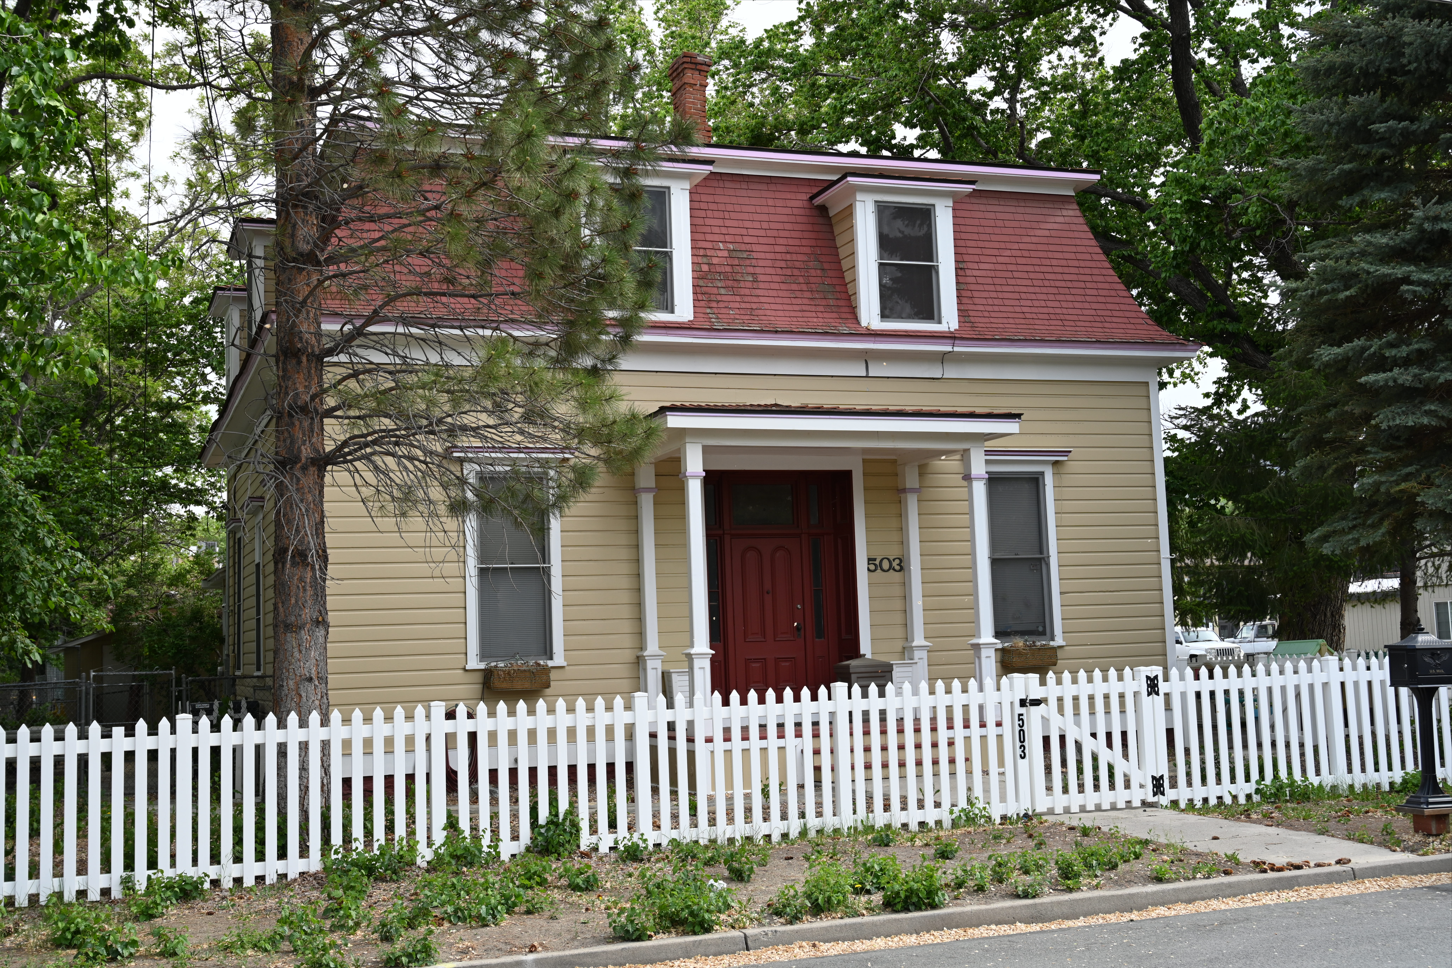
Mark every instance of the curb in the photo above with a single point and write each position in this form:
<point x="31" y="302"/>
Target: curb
<point x="1037" y="911"/>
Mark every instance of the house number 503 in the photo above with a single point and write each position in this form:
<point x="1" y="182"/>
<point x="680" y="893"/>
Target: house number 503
<point x="884" y="564"/>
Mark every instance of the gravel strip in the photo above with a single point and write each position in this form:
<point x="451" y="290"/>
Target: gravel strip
<point x="814" y="949"/>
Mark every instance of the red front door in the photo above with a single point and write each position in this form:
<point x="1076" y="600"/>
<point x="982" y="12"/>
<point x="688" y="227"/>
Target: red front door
<point x="782" y="586"/>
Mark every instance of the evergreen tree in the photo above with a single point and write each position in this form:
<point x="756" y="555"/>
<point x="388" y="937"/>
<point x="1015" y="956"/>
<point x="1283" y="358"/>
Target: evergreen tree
<point x="1375" y="313"/>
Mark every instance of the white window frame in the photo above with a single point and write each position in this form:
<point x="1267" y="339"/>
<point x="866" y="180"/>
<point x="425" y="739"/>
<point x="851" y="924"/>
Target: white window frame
<point x="471" y="581"/>
<point x="863" y="193"/>
<point x="1439" y="622"/>
<point x="679" y="186"/>
<point x="1042" y="468"/>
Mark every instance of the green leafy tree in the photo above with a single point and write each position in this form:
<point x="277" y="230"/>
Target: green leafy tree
<point x="1374" y="316"/>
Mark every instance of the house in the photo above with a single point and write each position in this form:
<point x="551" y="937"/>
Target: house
<point x="1374" y="612"/>
<point x="909" y="411"/>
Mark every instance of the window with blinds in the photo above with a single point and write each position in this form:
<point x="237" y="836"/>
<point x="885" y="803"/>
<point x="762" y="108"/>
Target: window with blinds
<point x="1018" y="550"/>
<point x="513" y="568"/>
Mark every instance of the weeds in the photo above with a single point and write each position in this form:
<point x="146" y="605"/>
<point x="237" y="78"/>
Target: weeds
<point x="790" y="904"/>
<point x="580" y="878"/>
<point x="1027" y="887"/>
<point x="945" y="850"/>
<point x="974" y="813"/>
<point x="688" y="901"/>
<point x="919" y="888"/>
<point x="401" y="918"/>
<point x="633" y="849"/>
<point x="170" y="943"/>
<point x="828" y="888"/>
<point x="416" y="952"/>
<point x="161" y="894"/>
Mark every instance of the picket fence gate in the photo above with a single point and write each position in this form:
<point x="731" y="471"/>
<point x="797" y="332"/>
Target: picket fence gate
<point x="244" y="802"/>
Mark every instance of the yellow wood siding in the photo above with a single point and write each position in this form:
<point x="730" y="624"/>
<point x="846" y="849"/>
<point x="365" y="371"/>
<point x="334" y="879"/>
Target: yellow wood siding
<point x="398" y="613"/>
<point x="847" y="249"/>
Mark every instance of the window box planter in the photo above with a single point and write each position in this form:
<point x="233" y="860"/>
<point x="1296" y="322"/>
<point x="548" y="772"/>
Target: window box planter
<point x="517" y="678"/>
<point x="1024" y="657"/>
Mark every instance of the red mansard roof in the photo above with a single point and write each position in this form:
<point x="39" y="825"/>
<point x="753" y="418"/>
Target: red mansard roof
<point x="764" y="258"/>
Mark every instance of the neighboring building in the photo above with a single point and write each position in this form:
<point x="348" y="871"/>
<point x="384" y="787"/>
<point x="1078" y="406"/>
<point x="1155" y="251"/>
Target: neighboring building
<point x="1374" y="613"/>
<point x="856" y="359"/>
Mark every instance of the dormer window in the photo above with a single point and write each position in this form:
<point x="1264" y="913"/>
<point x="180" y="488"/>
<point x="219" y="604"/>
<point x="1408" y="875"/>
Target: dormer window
<point x="895" y="239"/>
<point x="907" y="263"/>
<point x="654" y="247"/>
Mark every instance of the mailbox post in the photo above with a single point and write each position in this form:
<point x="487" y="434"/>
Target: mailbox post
<point x="1423" y="663"/>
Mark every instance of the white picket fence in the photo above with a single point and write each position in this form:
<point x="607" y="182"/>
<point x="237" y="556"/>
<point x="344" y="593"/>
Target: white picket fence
<point x="228" y="803"/>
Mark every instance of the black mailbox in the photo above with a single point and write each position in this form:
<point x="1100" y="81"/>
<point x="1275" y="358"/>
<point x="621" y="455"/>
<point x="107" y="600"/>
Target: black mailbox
<point x="865" y="672"/>
<point x="1420" y="660"/>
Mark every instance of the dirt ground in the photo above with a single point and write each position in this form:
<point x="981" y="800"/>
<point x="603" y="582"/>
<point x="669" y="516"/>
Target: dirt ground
<point x="574" y="920"/>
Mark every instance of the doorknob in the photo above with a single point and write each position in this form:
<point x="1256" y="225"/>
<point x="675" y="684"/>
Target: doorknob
<point x="798" y="627"/>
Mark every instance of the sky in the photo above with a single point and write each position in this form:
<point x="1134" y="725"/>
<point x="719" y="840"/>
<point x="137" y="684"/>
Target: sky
<point x="172" y="119"/>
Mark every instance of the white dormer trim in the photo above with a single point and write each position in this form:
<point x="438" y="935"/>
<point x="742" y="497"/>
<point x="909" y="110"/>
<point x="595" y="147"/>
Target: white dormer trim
<point x="228" y="305"/>
<point x="861" y="194"/>
<point x="678" y="178"/>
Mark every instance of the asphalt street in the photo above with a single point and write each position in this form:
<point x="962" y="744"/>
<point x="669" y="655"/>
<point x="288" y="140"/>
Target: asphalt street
<point x="1406" y="929"/>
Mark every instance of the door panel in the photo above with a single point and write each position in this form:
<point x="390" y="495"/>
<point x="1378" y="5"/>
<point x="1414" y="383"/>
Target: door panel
<point x="786" y="586"/>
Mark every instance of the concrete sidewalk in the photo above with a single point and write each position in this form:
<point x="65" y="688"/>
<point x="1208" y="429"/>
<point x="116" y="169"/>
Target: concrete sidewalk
<point x="1252" y="841"/>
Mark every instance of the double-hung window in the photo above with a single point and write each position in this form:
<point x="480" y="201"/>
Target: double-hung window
<point x="907" y="263"/>
<point x="654" y="250"/>
<point x="515" y="565"/>
<point x="1442" y="619"/>
<point x="1019" y="555"/>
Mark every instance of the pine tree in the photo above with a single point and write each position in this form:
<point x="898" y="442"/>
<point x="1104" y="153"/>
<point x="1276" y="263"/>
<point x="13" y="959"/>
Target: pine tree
<point x="1374" y="316"/>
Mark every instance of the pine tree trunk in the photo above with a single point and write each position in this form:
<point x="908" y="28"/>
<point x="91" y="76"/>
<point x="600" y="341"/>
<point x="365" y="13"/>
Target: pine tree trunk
<point x="300" y="552"/>
<point x="1318" y="613"/>
<point x="1408" y="590"/>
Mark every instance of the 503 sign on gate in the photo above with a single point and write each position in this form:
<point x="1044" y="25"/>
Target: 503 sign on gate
<point x="884" y="564"/>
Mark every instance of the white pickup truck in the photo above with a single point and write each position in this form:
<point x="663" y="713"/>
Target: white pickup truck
<point x="1257" y="638"/>
<point x="1203" y="647"/>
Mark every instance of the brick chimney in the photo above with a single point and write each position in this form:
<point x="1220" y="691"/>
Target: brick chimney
<point x="688" y="74"/>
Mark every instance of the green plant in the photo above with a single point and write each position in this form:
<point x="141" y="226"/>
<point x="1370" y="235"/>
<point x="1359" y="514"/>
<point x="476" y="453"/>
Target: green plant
<point x="1361" y="836"/>
<point x="161" y="894"/>
<point x="1086" y="830"/>
<point x="111" y="943"/>
<point x="882" y="837"/>
<point x="531" y="871"/>
<point x="945" y="849"/>
<point x="388" y="862"/>
<point x="976" y="876"/>
<point x="69" y="925"/>
<point x="742" y="860"/>
<point x="828" y="887"/>
<point x="1233" y="858"/>
<point x="1164" y="872"/>
<point x="1034" y="863"/>
<point x="1409" y="783"/>
<point x="1279" y="789"/>
<point x="559" y="835"/>
<point x="402" y="917"/>
<point x="244" y="940"/>
<point x="483" y="901"/>
<point x="416" y="952"/>
<point x="872" y="874"/>
<point x="919" y="888"/>
<point x="688" y="901"/>
<point x="1001" y="867"/>
<point x="1027" y="887"/>
<point x="302" y="927"/>
<point x="535" y="902"/>
<point x="790" y="904"/>
<point x="170" y="943"/>
<point x="581" y="877"/>
<point x="346" y="888"/>
<point x="974" y="813"/>
<point x="633" y="849"/>
<point x="1204" y="868"/>
<point x="459" y="853"/>
<point x="1070" y="868"/>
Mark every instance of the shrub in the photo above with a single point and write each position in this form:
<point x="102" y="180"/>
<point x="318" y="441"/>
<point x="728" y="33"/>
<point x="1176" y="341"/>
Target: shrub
<point x="68" y="925"/>
<point x="1027" y="887"/>
<point x="742" y="860"/>
<point x="402" y="917"/>
<point x="945" y="849"/>
<point x="346" y="889"/>
<point x="530" y="871"/>
<point x="482" y="901"/>
<point x="828" y="887"/>
<point x="170" y="943"/>
<point x="388" y="862"/>
<point x="459" y="853"/>
<point x="558" y="836"/>
<point x="919" y="888"/>
<point x="973" y="814"/>
<point x="1001" y="867"/>
<point x="872" y="874"/>
<point x="580" y="878"/>
<point x="633" y="849"/>
<point x="416" y="952"/>
<point x="161" y="894"/>
<point x="790" y="904"/>
<point x="111" y="943"/>
<point x="1070" y="869"/>
<point x="688" y="901"/>
<point x="883" y="837"/>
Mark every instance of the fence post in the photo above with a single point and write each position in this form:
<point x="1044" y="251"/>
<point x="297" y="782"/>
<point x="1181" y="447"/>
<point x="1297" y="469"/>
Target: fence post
<point x="1150" y="723"/>
<point x="639" y="704"/>
<point x="841" y="757"/>
<point x="438" y="764"/>
<point x="1334" y="712"/>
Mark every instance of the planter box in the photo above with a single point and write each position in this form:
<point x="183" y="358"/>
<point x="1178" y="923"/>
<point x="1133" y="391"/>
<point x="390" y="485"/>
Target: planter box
<point x="517" y="678"/>
<point x="1029" y="657"/>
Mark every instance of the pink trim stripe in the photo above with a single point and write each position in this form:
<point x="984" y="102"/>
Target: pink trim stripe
<point x="691" y="475"/>
<point x="975" y="477"/>
<point x="645" y="490"/>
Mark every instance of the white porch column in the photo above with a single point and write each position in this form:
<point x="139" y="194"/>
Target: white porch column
<point x="917" y="646"/>
<point x="698" y="656"/>
<point x="975" y="472"/>
<point x="650" y="654"/>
